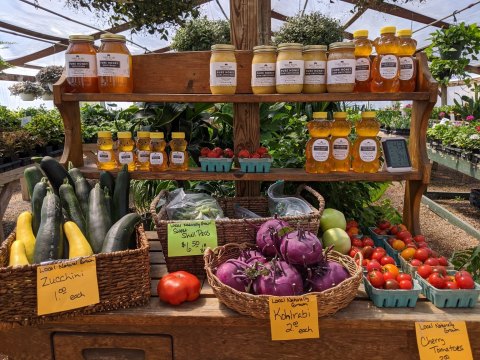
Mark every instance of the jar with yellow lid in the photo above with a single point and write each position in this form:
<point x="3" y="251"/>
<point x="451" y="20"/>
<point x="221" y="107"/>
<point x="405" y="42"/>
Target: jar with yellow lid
<point x="341" y="67"/>
<point x="105" y="155"/>
<point x="143" y="151"/>
<point x="315" y="58"/>
<point x="318" y="151"/>
<point x="81" y="65"/>
<point x="158" y="156"/>
<point x="363" y="50"/>
<point x="125" y="150"/>
<point x="385" y="66"/>
<point x="178" y="154"/>
<point x="341" y="150"/>
<point x="223" y="70"/>
<point x="114" y="65"/>
<point x="408" y="68"/>
<point x="290" y="68"/>
<point x="263" y="69"/>
<point x="366" y="150"/>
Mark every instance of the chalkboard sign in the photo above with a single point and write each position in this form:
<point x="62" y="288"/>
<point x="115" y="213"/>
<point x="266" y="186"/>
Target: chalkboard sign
<point x="397" y="158"/>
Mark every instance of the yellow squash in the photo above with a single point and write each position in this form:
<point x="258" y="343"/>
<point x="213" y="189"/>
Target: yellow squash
<point x="77" y="243"/>
<point x="25" y="233"/>
<point x="17" y="254"/>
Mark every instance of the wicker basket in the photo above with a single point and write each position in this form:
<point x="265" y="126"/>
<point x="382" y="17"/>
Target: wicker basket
<point x="329" y="301"/>
<point x="123" y="281"/>
<point x="233" y="230"/>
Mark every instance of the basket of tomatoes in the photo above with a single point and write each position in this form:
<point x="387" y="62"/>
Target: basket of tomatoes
<point x="259" y="161"/>
<point x="216" y="159"/>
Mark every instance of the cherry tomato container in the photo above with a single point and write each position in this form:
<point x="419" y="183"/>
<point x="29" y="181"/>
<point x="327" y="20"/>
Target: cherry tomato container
<point x="412" y="270"/>
<point x="255" y="165"/>
<point x="378" y="239"/>
<point x="392" y="298"/>
<point x="216" y="164"/>
<point x="391" y="251"/>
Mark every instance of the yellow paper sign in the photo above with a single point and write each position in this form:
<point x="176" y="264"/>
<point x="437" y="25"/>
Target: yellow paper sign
<point x="293" y="317"/>
<point x="187" y="238"/>
<point x="67" y="285"/>
<point x="443" y="340"/>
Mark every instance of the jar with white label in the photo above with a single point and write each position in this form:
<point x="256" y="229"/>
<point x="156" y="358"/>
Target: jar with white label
<point x="114" y="65"/>
<point x="341" y="67"/>
<point x="125" y="148"/>
<point x="366" y="150"/>
<point x="142" y="145"/>
<point x="263" y="69"/>
<point x="81" y="65"/>
<point x="105" y="155"/>
<point x="290" y="68"/>
<point x="315" y="60"/>
<point x="319" y="150"/>
<point x="223" y="70"/>
<point x="385" y="66"/>
<point x="363" y="50"/>
<point x="408" y="66"/>
<point x="178" y="154"/>
<point x="341" y="149"/>
<point x="158" y="156"/>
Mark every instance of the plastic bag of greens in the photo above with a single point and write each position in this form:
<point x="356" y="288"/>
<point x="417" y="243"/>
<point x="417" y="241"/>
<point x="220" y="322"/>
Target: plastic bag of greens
<point x="284" y="205"/>
<point x="192" y="206"/>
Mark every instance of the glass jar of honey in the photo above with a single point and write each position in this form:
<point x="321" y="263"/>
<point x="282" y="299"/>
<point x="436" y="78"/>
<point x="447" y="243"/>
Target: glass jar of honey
<point x="142" y="145"/>
<point x="114" y="65"/>
<point x="408" y="68"/>
<point x="315" y="58"/>
<point x="341" y="67"/>
<point x="223" y="70"/>
<point x="81" y="65"/>
<point x="318" y="152"/>
<point x="290" y="68"/>
<point x="363" y="49"/>
<point x="263" y="69"/>
<point x="125" y="149"/>
<point x="385" y="66"/>
<point x="366" y="150"/>
<point x="105" y="155"/>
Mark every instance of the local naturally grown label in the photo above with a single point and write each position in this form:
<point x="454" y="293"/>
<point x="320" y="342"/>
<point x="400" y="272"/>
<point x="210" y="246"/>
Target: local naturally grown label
<point x="293" y="317"/>
<point x="188" y="238"/>
<point x="67" y="285"/>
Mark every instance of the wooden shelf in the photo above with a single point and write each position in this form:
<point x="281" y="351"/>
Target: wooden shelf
<point x="246" y="98"/>
<point x="288" y="174"/>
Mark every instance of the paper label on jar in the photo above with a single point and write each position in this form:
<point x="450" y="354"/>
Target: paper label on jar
<point x="112" y="64"/>
<point x="341" y="71"/>
<point x="223" y="73"/>
<point x="290" y="72"/>
<point x="368" y="150"/>
<point x="143" y="156"/>
<point x="341" y="148"/>
<point x="388" y="66"/>
<point x="156" y="158"/>
<point x="178" y="157"/>
<point x="104" y="156"/>
<point x="406" y="68"/>
<point x="362" y="69"/>
<point x="125" y="157"/>
<point x="315" y="72"/>
<point x="263" y="74"/>
<point x="321" y="150"/>
<point x="80" y="65"/>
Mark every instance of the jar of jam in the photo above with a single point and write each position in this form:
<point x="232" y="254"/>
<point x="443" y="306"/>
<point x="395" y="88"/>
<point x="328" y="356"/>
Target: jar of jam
<point x="290" y="68"/>
<point x="341" y="67"/>
<point x="223" y="70"/>
<point x="315" y="58"/>
<point x="81" y="65"/>
<point x="114" y="65"/>
<point x="263" y="69"/>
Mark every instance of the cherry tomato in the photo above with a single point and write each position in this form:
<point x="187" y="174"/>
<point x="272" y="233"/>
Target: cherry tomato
<point x="357" y="242"/>
<point x="437" y="280"/>
<point x="376" y="278"/>
<point x="419" y="238"/>
<point x="465" y="282"/>
<point x="431" y="261"/>
<point x="367" y="241"/>
<point x="440" y="269"/>
<point x="424" y="271"/>
<point x="461" y="273"/>
<point x="391" y="284"/>
<point x="373" y="265"/>
<point x="387" y="275"/>
<point x="404" y="276"/>
<point x="378" y="254"/>
<point x="353" y="251"/>
<point x="367" y="252"/>
<point x="387" y="260"/>
<point x="416" y="262"/>
<point x="421" y="254"/>
<point x="442" y="260"/>
<point x="406" y="284"/>
<point x="451" y="285"/>
<point x="391" y="268"/>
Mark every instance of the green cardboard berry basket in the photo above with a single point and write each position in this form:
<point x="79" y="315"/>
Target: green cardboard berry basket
<point x="393" y="298"/>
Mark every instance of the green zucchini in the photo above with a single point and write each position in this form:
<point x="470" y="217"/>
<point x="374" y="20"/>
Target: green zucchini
<point x="108" y="202"/>
<point x="39" y="193"/>
<point x="70" y="203"/>
<point x="81" y="186"/>
<point x="98" y="219"/>
<point x="55" y="173"/>
<point x="49" y="239"/>
<point x="118" y="236"/>
<point x="107" y="180"/>
<point x="32" y="175"/>
<point x="121" y="194"/>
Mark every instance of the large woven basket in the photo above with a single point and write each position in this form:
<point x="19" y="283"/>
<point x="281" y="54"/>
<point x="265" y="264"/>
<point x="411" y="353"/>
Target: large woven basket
<point x="123" y="281"/>
<point x="329" y="301"/>
<point x="234" y="230"/>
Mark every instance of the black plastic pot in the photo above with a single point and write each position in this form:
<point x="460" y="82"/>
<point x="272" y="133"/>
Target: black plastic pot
<point x="475" y="197"/>
<point x="401" y="132"/>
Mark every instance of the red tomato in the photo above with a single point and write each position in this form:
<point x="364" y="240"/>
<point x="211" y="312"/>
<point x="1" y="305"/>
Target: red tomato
<point x="404" y="276"/>
<point x="402" y="235"/>
<point x="465" y="282"/>
<point x="442" y="260"/>
<point x="391" y="284"/>
<point x="352" y="223"/>
<point x="376" y="278"/>
<point x="373" y="265"/>
<point x="353" y="251"/>
<point x="378" y="254"/>
<point x="421" y="254"/>
<point x="178" y="287"/>
<point x="460" y="273"/>
<point x="387" y="275"/>
<point x="416" y="262"/>
<point x="357" y="242"/>
<point x="431" y="261"/>
<point x="367" y="241"/>
<point x="384" y="224"/>
<point x="422" y="245"/>
<point x="424" y="271"/>
<point x="437" y="280"/>
<point x="387" y="260"/>
<point x="406" y="284"/>
<point x="451" y="285"/>
<point x="395" y="229"/>
<point x="419" y="238"/>
<point x="365" y="262"/>
<point x="204" y="152"/>
<point x="367" y="252"/>
<point x="439" y="269"/>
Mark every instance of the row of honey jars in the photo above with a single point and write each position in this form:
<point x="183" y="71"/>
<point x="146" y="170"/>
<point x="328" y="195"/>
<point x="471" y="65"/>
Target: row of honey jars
<point x="108" y="70"/>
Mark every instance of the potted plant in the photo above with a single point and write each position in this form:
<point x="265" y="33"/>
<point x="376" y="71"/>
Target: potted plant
<point x="47" y="93"/>
<point x="49" y="75"/>
<point x="27" y="90"/>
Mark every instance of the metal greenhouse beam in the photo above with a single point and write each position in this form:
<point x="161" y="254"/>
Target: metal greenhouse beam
<point x="24" y="31"/>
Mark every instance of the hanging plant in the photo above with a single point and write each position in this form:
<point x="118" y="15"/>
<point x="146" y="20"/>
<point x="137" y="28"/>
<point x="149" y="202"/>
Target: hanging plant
<point x="27" y="90"/>
<point x="49" y="74"/>
<point x="201" y="34"/>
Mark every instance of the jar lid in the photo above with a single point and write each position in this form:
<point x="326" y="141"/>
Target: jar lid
<point x="342" y="45"/>
<point x="156" y="135"/>
<point x="104" y="134"/>
<point x="320" y="115"/>
<point x="340" y="114"/>
<point x="290" y="46"/>
<point x="143" y="134"/>
<point x="178" y="135"/>
<point x="388" y="30"/>
<point x="109" y="36"/>
<point x="368" y="114"/>
<point x="404" y="32"/>
<point x="223" y="47"/>
<point x="360" y="33"/>
<point x="315" y="48"/>
<point x="80" y="38"/>
<point x="124" y="135"/>
<point x="264" y="48"/>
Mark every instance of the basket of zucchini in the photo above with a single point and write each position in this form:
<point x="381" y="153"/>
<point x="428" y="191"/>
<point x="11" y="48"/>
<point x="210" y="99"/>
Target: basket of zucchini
<point x="70" y="219"/>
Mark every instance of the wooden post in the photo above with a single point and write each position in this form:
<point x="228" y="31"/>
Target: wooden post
<point x="444" y="94"/>
<point x="249" y="26"/>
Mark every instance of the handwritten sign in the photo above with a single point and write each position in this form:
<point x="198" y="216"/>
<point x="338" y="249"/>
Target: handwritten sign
<point x="443" y="340"/>
<point x="293" y="317"/>
<point x="187" y="238"/>
<point x="67" y="285"/>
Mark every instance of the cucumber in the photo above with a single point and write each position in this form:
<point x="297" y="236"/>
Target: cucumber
<point x="99" y="221"/>
<point x="72" y="207"/>
<point x="108" y="202"/>
<point x="118" y="236"/>
<point x="49" y="239"/>
<point x="39" y="193"/>
<point x="55" y="173"/>
<point x="107" y="180"/>
<point x="81" y="186"/>
<point x="121" y="194"/>
<point x="32" y="175"/>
